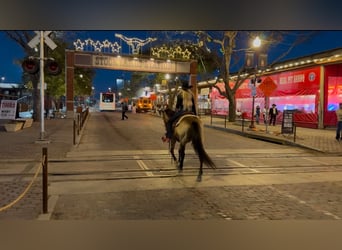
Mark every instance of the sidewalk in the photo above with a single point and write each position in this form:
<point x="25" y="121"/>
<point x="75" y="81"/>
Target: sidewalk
<point x="322" y="140"/>
<point x="26" y="143"/>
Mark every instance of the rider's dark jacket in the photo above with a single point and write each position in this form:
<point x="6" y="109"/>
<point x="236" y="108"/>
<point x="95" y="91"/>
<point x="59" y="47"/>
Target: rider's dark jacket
<point x="185" y="103"/>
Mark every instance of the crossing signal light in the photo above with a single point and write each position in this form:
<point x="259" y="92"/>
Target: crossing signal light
<point x="52" y="67"/>
<point x="30" y="66"/>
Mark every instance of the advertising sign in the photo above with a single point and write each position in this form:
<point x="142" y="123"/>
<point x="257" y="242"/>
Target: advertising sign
<point x="8" y="109"/>
<point x="287" y="123"/>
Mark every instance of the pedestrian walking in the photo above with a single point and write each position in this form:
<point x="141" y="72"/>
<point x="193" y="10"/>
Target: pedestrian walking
<point x="124" y="108"/>
<point x="257" y="114"/>
<point x="273" y="112"/>
<point x="339" y="122"/>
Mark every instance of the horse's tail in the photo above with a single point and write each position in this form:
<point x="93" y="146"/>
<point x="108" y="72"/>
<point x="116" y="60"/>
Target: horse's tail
<point x="197" y="143"/>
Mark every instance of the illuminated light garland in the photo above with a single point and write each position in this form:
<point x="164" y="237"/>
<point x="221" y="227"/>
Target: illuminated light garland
<point x="170" y="52"/>
<point x="91" y="45"/>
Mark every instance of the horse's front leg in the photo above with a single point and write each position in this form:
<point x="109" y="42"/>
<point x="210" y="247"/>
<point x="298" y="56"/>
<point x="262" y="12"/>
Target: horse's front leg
<point x="172" y="150"/>
<point x="181" y="156"/>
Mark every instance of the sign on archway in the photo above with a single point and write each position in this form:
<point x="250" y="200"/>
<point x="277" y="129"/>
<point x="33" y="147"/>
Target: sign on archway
<point x="128" y="63"/>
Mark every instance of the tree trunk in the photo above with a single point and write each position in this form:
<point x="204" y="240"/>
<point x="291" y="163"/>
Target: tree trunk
<point x="232" y="109"/>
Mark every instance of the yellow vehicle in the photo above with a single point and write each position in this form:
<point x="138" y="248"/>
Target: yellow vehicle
<point x="144" y="104"/>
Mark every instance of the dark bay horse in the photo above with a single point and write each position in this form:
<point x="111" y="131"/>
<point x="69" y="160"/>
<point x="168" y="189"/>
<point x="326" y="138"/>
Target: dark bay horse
<point x="188" y="128"/>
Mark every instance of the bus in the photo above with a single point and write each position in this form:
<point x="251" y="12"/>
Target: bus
<point x="107" y="101"/>
<point x="144" y="104"/>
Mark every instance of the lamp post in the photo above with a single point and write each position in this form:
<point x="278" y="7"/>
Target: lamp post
<point x="254" y="80"/>
<point x="261" y="62"/>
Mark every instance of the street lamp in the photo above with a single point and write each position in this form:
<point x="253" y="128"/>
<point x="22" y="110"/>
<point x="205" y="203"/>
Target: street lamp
<point x="261" y="62"/>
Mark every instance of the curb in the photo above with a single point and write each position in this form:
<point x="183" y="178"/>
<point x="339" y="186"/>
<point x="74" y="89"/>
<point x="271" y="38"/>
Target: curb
<point x="263" y="138"/>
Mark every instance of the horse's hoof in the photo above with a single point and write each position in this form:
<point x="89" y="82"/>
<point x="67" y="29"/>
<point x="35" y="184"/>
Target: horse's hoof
<point x="199" y="178"/>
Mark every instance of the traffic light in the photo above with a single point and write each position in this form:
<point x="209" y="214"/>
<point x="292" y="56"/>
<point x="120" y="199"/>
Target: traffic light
<point x="30" y="66"/>
<point x="52" y="67"/>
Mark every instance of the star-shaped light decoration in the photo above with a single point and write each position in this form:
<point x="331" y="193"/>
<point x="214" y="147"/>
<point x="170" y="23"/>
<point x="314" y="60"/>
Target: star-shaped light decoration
<point x="186" y="54"/>
<point x="97" y="46"/>
<point x="79" y="45"/>
<point x="177" y="52"/>
<point x="106" y="45"/>
<point x="116" y="48"/>
<point x="155" y="52"/>
<point x="89" y="44"/>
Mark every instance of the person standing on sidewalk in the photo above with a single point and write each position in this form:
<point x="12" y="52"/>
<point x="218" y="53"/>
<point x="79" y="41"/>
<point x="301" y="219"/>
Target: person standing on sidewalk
<point x="257" y="114"/>
<point x="339" y="122"/>
<point x="264" y="112"/>
<point x="273" y="114"/>
<point x="124" y="108"/>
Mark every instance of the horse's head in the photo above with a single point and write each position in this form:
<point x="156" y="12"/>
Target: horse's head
<point x="167" y="114"/>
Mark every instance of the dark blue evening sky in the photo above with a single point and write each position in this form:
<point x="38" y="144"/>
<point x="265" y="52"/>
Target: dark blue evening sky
<point x="10" y="52"/>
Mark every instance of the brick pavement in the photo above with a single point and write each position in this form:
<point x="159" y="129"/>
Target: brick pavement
<point x="17" y="147"/>
<point x="21" y="154"/>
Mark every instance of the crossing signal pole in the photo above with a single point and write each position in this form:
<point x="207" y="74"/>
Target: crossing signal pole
<point x="41" y="38"/>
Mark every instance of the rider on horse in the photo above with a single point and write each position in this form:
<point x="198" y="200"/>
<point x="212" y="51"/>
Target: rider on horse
<point x="185" y="104"/>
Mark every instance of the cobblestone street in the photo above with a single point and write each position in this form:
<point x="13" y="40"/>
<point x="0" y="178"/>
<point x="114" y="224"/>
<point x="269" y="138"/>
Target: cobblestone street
<point x="314" y="201"/>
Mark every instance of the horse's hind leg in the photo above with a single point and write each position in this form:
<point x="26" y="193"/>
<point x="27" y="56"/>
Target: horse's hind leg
<point x="200" y="172"/>
<point x="172" y="151"/>
<point x="181" y="156"/>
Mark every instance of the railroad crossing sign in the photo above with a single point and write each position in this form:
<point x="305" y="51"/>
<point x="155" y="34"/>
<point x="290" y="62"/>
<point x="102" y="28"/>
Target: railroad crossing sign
<point x="36" y="40"/>
<point x="267" y="86"/>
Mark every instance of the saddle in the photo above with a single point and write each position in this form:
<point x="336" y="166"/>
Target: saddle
<point x="179" y="119"/>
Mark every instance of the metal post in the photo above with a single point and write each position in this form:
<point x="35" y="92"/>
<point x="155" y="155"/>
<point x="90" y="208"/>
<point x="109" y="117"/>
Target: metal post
<point x="266" y="112"/>
<point x="45" y="181"/>
<point x="74" y="131"/>
<point x="41" y="72"/>
<point x="253" y="101"/>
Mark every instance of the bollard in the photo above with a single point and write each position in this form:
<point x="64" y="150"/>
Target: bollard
<point x="45" y="181"/>
<point x="74" y="132"/>
<point x="78" y="124"/>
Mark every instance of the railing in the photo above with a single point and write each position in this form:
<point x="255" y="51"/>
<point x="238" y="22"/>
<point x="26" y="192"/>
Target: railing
<point x="79" y="121"/>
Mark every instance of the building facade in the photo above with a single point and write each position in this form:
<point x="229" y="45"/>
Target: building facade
<point x="311" y="86"/>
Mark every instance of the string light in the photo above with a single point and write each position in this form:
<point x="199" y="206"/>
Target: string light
<point x="91" y="45"/>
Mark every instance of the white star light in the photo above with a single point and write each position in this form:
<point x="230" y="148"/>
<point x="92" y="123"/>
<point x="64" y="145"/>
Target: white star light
<point x="98" y="46"/>
<point x="79" y="45"/>
<point x="116" y="48"/>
